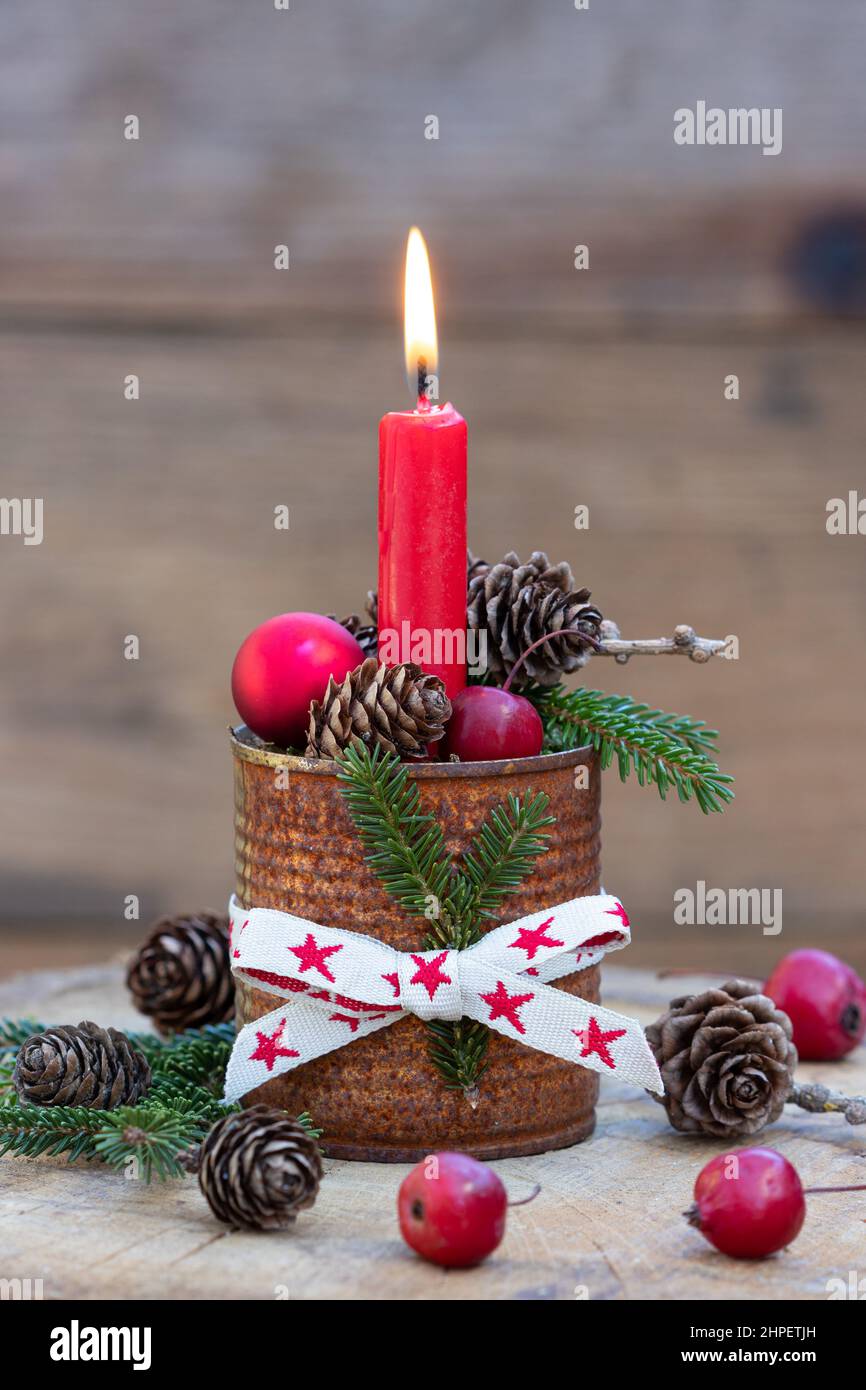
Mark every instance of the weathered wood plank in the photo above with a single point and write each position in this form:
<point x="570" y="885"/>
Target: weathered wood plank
<point x="308" y="128"/>
<point x="606" y="1225"/>
<point x="158" y="522"/>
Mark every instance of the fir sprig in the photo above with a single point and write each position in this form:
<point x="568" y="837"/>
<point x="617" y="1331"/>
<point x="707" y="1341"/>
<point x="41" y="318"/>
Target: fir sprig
<point x="504" y="851"/>
<point x="662" y="750"/>
<point x="148" y="1141"/>
<point x="155" y="1135"/>
<point x="33" y="1130"/>
<point x="406" y="848"/>
<point x="199" y="1055"/>
<point x="459" y="1053"/>
<point x="15" y="1031"/>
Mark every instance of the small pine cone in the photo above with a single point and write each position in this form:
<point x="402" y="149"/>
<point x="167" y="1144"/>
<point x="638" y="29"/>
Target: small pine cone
<point x="400" y="708"/>
<point x="726" y="1059"/>
<point x="516" y="604"/>
<point x="181" y="976"/>
<point x="91" y="1066"/>
<point x="365" y="634"/>
<point x="258" y="1169"/>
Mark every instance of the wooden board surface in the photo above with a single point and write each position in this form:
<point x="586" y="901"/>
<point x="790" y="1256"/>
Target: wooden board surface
<point x="159" y="522"/>
<point x="606" y="1224"/>
<point x="261" y="388"/>
<point x="307" y="127"/>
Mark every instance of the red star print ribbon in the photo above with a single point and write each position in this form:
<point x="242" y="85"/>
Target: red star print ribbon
<point x="337" y="986"/>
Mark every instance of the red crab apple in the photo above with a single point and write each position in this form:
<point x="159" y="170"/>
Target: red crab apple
<point x="748" y="1203"/>
<point x="283" y="666"/>
<point x="491" y="722"/>
<point x="452" y="1209"/>
<point x="488" y="723"/>
<point x="825" y="1000"/>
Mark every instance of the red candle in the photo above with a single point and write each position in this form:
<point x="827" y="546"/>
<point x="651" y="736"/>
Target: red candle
<point x="422" y="506"/>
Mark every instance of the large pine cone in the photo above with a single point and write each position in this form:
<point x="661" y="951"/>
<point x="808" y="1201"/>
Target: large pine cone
<point x="400" y="708"/>
<point x="726" y="1059"/>
<point x="91" y="1066"/>
<point x="258" y="1169"/>
<point x="181" y="976"/>
<point x="516" y="604"/>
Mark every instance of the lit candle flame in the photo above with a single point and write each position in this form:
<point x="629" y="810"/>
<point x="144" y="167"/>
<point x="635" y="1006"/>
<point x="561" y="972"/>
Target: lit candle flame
<point x="422" y="357"/>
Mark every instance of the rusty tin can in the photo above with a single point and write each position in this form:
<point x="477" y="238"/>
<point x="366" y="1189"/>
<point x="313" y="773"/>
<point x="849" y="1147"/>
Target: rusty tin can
<point x="380" y="1098"/>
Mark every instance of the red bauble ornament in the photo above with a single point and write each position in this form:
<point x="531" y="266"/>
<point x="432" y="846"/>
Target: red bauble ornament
<point x="452" y="1210"/>
<point x="825" y="1000"/>
<point x="749" y="1203"/>
<point x="488" y="723"/>
<point x="283" y="666"/>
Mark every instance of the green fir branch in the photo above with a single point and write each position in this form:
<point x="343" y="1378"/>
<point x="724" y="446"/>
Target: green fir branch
<point x="693" y="733"/>
<point x="33" y="1130"/>
<point x="175" y="1115"/>
<point x="185" y="1098"/>
<point x="199" y="1055"/>
<point x="661" y="750"/>
<point x="504" y="851"/>
<point x="405" y="847"/>
<point x="14" y="1032"/>
<point x="148" y="1140"/>
<point x="459" y="1052"/>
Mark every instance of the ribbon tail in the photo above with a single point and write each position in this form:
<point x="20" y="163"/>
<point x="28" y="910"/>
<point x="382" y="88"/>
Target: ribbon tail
<point x="550" y="1020"/>
<point x="289" y="1036"/>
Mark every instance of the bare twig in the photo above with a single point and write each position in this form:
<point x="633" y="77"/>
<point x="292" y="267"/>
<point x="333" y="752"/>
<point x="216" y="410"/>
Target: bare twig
<point x="851" y="1187"/>
<point x="820" y="1099"/>
<point x="685" y="642"/>
<point x="522" y="1201"/>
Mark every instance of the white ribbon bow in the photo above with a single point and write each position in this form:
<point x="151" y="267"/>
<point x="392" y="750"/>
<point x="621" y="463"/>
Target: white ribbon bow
<point x="340" y="985"/>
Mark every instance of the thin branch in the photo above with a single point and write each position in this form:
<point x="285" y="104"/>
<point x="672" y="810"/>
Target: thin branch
<point x="685" y="642"/>
<point x="820" y="1100"/>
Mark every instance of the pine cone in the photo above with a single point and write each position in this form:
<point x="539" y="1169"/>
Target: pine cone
<point x="258" y="1169"/>
<point x="726" y="1059"/>
<point x="400" y="708"/>
<point x="181" y="976"/>
<point x="365" y="634"/>
<point x="515" y="604"/>
<point x="91" y="1066"/>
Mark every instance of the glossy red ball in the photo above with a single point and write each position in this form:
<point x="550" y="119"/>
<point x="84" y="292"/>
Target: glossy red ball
<point x="825" y="1000"/>
<point x="748" y="1203"/>
<point x="285" y="664"/>
<point x="489" y="724"/>
<point x="452" y="1210"/>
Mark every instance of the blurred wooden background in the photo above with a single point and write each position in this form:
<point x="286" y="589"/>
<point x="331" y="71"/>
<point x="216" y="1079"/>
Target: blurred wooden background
<point x="602" y="387"/>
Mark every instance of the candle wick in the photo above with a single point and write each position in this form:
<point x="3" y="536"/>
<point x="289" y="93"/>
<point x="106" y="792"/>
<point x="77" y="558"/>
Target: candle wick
<point x="423" y="385"/>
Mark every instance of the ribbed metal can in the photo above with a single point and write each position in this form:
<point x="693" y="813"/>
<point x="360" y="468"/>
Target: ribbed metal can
<point x="380" y="1098"/>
